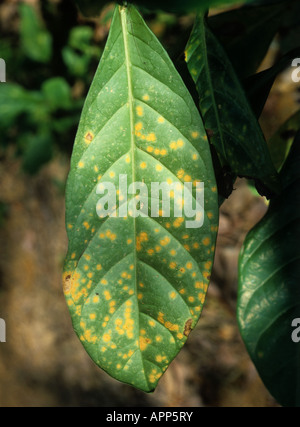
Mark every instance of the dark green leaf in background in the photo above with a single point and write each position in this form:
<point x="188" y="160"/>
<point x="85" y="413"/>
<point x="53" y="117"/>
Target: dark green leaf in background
<point x="57" y="93"/>
<point x="136" y="286"/>
<point x="290" y="28"/>
<point x="15" y="100"/>
<point x="93" y="7"/>
<point x="246" y="34"/>
<point x="269" y="288"/>
<point x="36" y="41"/>
<point x="79" y="52"/>
<point x="229" y="120"/>
<point x="37" y="150"/>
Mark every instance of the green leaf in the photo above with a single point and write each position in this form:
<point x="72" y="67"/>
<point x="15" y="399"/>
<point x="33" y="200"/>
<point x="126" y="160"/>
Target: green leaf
<point x="14" y="100"/>
<point x="246" y="34"/>
<point x="36" y="42"/>
<point x="269" y="292"/>
<point x="280" y="143"/>
<point x="231" y="124"/>
<point x="290" y="28"/>
<point x="91" y="7"/>
<point x="57" y="93"/>
<point x="37" y="151"/>
<point x="136" y="286"/>
<point x="80" y="50"/>
<point x="81" y="40"/>
<point x="78" y="64"/>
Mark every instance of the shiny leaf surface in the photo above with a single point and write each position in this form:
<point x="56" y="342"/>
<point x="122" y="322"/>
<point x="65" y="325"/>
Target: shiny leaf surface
<point x="229" y="120"/>
<point x="269" y="291"/>
<point x="135" y="286"/>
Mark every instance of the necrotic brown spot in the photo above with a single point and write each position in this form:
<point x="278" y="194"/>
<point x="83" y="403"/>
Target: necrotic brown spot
<point x="89" y="137"/>
<point x="67" y="283"/>
<point x="188" y="327"/>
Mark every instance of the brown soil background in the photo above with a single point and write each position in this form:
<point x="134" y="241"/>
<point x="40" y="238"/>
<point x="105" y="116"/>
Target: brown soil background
<point x="43" y="363"/>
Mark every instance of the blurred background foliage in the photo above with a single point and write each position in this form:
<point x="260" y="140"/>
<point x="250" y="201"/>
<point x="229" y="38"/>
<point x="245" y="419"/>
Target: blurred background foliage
<point x="51" y="52"/>
<point x="50" y="61"/>
<point x="51" y="55"/>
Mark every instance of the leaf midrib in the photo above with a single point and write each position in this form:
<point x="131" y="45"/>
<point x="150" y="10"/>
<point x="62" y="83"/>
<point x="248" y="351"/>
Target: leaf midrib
<point x="123" y="16"/>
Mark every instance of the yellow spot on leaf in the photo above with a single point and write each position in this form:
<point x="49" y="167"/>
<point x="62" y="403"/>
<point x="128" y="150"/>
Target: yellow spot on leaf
<point x="160" y="317"/>
<point x="173" y="265"/>
<point x="144" y="342"/>
<point x="172" y="295"/>
<point x="199" y="285"/>
<point x="189" y="265"/>
<point x="139" y="111"/>
<point x="165" y="241"/>
<point x="206" y="241"/>
<point x="107" y="295"/>
<point x="151" y="137"/>
<point x="106" y="337"/>
<point x="178" y="221"/>
<point x="142" y="237"/>
<point x="180" y="173"/>
<point x="139" y="126"/>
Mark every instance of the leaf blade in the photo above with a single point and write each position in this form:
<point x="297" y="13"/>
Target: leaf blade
<point x="246" y="34"/>
<point x="233" y="129"/>
<point x="132" y="284"/>
<point x="268" y="294"/>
